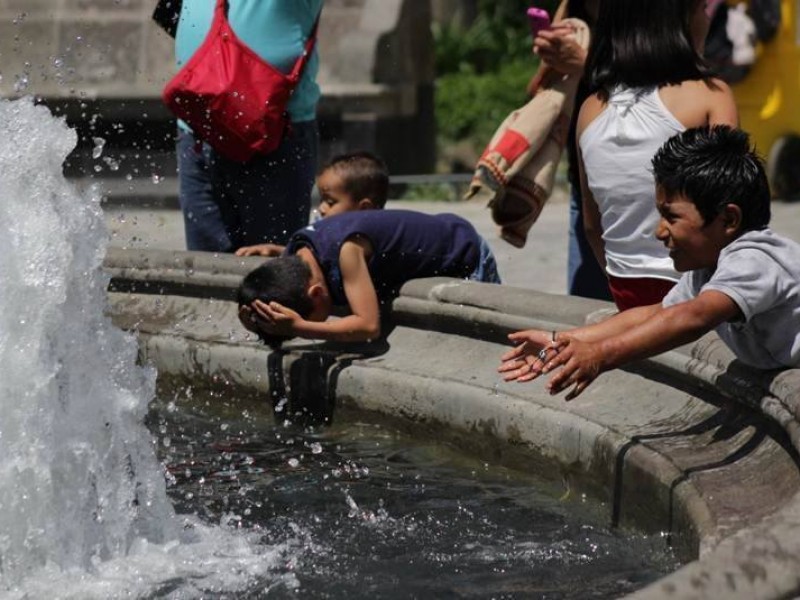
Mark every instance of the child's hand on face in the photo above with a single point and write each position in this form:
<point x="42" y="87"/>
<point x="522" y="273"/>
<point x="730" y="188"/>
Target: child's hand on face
<point x="276" y="319"/>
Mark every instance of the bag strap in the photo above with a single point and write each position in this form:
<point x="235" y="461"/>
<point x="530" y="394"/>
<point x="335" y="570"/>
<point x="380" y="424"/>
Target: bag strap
<point x="302" y="60"/>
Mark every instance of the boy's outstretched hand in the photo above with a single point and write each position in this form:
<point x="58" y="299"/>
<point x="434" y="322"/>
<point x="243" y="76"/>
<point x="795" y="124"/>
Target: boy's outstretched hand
<point x="581" y="363"/>
<point x="525" y="361"/>
<point x="539" y="352"/>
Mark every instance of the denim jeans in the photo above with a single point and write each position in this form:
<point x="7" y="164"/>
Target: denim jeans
<point x="584" y="276"/>
<point x="486" y="271"/>
<point x="227" y="204"/>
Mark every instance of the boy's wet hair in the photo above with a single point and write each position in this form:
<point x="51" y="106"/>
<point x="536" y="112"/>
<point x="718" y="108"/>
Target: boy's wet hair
<point x="363" y="174"/>
<point x="283" y="280"/>
<point x="642" y="44"/>
<point x="713" y="167"/>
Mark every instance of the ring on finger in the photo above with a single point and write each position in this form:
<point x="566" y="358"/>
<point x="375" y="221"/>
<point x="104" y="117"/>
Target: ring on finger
<point x="542" y="354"/>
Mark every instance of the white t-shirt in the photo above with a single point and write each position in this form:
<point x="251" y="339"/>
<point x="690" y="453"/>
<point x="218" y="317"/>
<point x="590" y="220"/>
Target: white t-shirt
<point x="760" y="272"/>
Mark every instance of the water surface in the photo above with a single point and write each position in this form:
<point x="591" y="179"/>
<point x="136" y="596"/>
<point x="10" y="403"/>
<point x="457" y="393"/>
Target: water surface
<point x="375" y="513"/>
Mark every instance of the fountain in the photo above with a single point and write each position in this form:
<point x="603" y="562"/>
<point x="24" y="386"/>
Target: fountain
<point x="83" y="504"/>
<point x="87" y="504"/>
<point x="690" y="443"/>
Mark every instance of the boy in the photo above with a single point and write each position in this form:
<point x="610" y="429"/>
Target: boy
<point x="355" y="181"/>
<point x="360" y="259"/>
<point x="739" y="277"/>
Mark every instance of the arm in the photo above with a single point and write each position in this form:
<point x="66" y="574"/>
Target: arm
<point x="364" y="322"/>
<point x="592" y="223"/>
<point x="722" y="107"/>
<point x="541" y="72"/>
<point x="523" y="363"/>
<point x="666" y="328"/>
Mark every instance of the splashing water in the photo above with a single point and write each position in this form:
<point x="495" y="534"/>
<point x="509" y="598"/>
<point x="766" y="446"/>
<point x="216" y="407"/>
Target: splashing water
<point x="83" y="504"/>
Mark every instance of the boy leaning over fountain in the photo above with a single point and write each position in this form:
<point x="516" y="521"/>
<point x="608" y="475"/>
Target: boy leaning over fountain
<point x="739" y="277"/>
<point x="358" y="259"/>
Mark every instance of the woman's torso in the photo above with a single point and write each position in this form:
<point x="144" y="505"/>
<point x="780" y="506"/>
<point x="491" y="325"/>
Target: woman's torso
<point x="617" y="147"/>
<point x="275" y="29"/>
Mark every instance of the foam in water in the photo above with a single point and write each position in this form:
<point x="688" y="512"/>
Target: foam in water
<point x="83" y="505"/>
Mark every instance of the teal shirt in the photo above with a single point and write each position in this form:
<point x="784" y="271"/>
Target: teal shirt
<point x="276" y="30"/>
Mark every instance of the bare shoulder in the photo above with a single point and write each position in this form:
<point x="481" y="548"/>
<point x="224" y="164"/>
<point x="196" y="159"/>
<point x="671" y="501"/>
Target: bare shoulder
<point x="590" y="110"/>
<point x="701" y="102"/>
<point x="355" y="248"/>
<point x="711" y="89"/>
<point x="722" y="109"/>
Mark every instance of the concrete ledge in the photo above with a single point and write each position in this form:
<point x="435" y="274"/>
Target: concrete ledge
<point x="690" y="442"/>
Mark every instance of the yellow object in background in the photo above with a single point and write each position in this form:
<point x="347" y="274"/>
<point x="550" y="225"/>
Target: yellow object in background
<point x="769" y="102"/>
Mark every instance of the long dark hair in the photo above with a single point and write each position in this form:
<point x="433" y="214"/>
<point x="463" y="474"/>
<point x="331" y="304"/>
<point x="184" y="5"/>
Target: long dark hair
<point x="643" y="43"/>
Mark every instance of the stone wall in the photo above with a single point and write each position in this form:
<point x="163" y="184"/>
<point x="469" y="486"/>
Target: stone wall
<point x="103" y="63"/>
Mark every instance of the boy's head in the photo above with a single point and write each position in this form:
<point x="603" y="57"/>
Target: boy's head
<point x="355" y="181"/>
<point x="286" y="280"/>
<point x="710" y="188"/>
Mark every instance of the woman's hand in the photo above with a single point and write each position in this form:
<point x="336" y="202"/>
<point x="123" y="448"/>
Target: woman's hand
<point x="525" y="361"/>
<point x="557" y="47"/>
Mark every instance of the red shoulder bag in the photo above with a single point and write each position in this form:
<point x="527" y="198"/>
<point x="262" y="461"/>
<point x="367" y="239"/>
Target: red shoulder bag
<point x="230" y="97"/>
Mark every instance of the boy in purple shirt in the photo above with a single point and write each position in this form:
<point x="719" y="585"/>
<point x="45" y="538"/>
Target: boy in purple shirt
<point x="358" y="259"/>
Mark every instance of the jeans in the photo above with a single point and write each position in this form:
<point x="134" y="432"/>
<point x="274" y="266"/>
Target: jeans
<point x="486" y="271"/>
<point x="584" y="276"/>
<point x="227" y="204"/>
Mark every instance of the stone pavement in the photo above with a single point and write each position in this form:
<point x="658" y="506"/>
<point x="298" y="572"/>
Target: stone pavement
<point x="540" y="265"/>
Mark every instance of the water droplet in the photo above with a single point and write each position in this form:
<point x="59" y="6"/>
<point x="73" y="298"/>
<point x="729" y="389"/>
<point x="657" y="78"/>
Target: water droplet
<point x="99" y="144"/>
<point x="293" y="462"/>
<point x="21" y="83"/>
<point x="316" y="448"/>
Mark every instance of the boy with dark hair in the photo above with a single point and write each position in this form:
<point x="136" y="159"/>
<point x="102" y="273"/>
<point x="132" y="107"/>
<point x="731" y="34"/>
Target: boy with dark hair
<point x="351" y="179"/>
<point x="358" y="259"/>
<point x="355" y="181"/>
<point x="739" y="277"/>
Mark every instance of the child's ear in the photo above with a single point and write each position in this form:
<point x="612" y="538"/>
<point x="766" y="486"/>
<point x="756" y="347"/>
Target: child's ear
<point x="317" y="293"/>
<point x="732" y="218"/>
<point x="366" y="204"/>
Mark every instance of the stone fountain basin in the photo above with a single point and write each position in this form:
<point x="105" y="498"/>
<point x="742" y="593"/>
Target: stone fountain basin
<point x="691" y="443"/>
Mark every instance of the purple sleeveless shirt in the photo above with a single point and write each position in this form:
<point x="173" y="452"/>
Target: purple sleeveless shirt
<point x="406" y="245"/>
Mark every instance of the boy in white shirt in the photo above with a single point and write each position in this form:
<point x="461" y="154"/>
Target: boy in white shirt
<point x="739" y="277"/>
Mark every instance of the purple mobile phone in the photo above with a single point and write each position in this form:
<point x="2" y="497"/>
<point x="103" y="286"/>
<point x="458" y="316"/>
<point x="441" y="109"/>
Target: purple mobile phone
<point x="538" y="20"/>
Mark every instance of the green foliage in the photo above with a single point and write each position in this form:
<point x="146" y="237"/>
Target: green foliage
<point x="483" y="70"/>
<point x="471" y="105"/>
<point x="499" y="34"/>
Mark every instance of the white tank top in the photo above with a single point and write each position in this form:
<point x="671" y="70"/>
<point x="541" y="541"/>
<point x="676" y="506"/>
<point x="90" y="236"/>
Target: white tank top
<point x="617" y="148"/>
